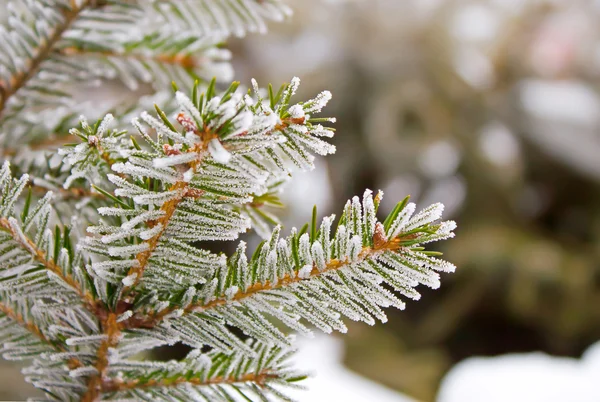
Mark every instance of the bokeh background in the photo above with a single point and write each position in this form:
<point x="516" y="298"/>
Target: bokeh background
<point x="493" y="108"/>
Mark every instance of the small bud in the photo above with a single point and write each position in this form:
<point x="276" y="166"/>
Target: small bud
<point x="379" y="237"/>
<point x="171" y="150"/>
<point x="193" y="192"/>
<point x="187" y="123"/>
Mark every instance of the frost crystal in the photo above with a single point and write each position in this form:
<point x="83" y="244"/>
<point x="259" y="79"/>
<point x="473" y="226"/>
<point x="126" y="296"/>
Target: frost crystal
<point x="129" y="280"/>
<point x="305" y="271"/>
<point x="296" y="111"/>
<point x="218" y="152"/>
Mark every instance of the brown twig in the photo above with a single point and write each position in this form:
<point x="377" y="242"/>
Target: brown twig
<point x="28" y="325"/>
<point x="258" y="378"/>
<point x="94" y="386"/>
<point x="287" y="280"/>
<point x="168" y="208"/>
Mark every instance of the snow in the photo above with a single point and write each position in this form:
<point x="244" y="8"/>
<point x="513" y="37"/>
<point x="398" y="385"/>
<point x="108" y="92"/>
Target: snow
<point x="331" y="381"/>
<point x="531" y="377"/>
<point x="296" y="111"/>
<point x="305" y="271"/>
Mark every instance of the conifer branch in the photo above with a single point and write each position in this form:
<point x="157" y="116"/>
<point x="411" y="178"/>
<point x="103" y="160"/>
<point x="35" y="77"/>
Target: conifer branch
<point x="333" y="265"/>
<point x="168" y="208"/>
<point x="18" y="80"/>
<point x="34" y="329"/>
<point x="40" y="256"/>
<point x="112" y="333"/>
<point x="182" y="187"/>
<point x="28" y="325"/>
<point x="311" y="277"/>
<point x="379" y="246"/>
<point x="201" y="178"/>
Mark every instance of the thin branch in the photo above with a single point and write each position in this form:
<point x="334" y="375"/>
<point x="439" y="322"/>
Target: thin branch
<point x="110" y="328"/>
<point x="35" y="330"/>
<point x="169" y="207"/>
<point x="28" y="325"/>
<point x="259" y="379"/>
<point x="332" y="265"/>
<point x="287" y="280"/>
<point x="20" y="79"/>
<point x="50" y="265"/>
<point x="152" y="320"/>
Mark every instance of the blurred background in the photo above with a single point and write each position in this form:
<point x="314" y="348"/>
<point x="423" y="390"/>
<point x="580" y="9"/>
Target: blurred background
<point x="493" y="108"/>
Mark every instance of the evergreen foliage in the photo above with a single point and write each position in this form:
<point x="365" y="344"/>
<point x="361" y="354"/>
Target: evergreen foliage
<point x="108" y="266"/>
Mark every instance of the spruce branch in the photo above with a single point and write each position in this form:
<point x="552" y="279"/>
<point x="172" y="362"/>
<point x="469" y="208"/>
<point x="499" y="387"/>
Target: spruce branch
<point x="18" y="243"/>
<point x="34" y="329"/>
<point x="361" y="245"/>
<point x="10" y="225"/>
<point x="181" y="188"/>
<point x="212" y="376"/>
<point x="20" y="78"/>
<point x="333" y="265"/>
<point x="153" y="319"/>
<point x="136" y="278"/>
<point x="313" y="277"/>
<point x="112" y="333"/>
<point x="210" y="163"/>
<point x="28" y="325"/>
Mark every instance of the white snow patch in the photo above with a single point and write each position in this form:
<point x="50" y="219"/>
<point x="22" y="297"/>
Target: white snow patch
<point x="331" y="381"/>
<point x="531" y="377"/>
